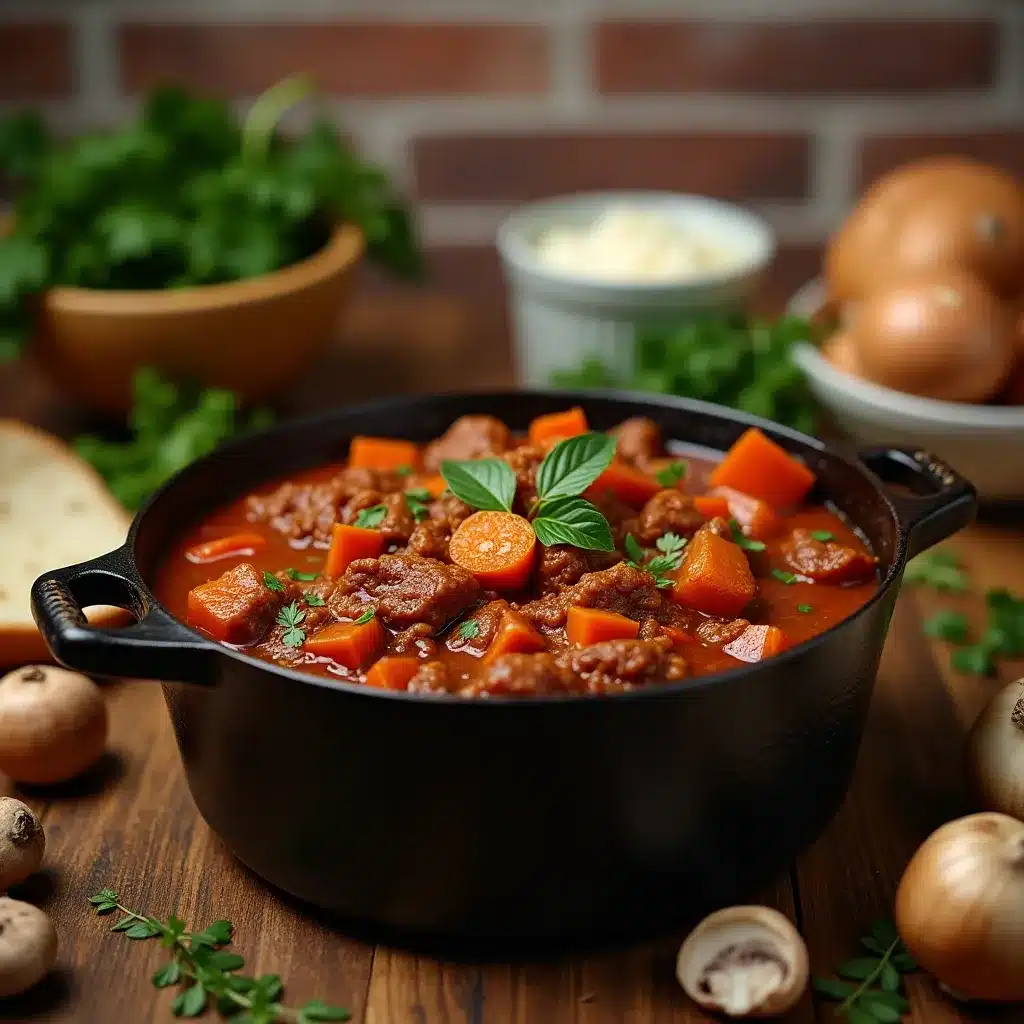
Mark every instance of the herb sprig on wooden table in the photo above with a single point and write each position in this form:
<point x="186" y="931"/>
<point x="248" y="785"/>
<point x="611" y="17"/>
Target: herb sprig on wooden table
<point x="207" y="974"/>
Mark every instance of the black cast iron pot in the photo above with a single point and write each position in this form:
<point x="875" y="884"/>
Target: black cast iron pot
<point x="549" y="819"/>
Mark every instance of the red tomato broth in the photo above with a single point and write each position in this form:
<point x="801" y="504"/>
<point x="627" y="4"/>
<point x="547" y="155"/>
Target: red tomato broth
<point x="776" y="602"/>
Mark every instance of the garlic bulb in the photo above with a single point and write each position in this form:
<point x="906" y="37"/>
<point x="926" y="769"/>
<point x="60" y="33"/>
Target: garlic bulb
<point x="995" y="753"/>
<point x="960" y="907"/>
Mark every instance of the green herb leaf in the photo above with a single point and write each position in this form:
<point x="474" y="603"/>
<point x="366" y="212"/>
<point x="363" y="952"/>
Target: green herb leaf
<point x="487" y="484"/>
<point x="889" y="978"/>
<point x="418" y="494"/>
<point x="271" y="582"/>
<point x="904" y="962"/>
<point x="190" y="1003"/>
<point x="224" y="961"/>
<point x="313" y="600"/>
<point x="403" y="470"/>
<point x="469" y="629"/>
<point x="859" y="968"/>
<point x="856" y="1015"/>
<point x="370" y="518"/>
<point x="303" y="577"/>
<point x="575" y="521"/>
<point x="740" y="539"/>
<point x="573" y="465"/>
<point x="805" y="609"/>
<point x="104" y="896"/>
<point x="833" y="989"/>
<point x="123" y="925"/>
<point x="169" y="974"/>
<point x="823" y="535"/>
<point x="291" y="617"/>
<point x="315" y="1010"/>
<point x="785" y="577"/>
<point x="948" y="625"/>
<point x="883" y="931"/>
<point x="670" y="475"/>
<point x="216" y="934"/>
<point x="939" y="569"/>
<point x="978" y="660"/>
<point x="1005" y="629"/>
<point x="670" y="544"/>
<point x="417" y="505"/>
<point x="635" y="552"/>
<point x="142" y="930"/>
<point x="364" y="617"/>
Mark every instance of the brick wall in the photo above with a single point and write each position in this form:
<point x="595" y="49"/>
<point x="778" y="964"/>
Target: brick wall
<point x="788" y="105"/>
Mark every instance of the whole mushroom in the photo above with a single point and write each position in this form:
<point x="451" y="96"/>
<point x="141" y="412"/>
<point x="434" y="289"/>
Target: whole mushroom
<point x="28" y="946"/>
<point x="53" y="724"/>
<point x="745" y="961"/>
<point x="21" y="842"/>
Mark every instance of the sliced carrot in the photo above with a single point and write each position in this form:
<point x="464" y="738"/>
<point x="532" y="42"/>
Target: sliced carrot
<point x="434" y="484"/>
<point x="715" y="576"/>
<point x="629" y="485"/>
<point x="757" y="466"/>
<point x="586" y="626"/>
<point x="349" y="543"/>
<point x="351" y="644"/>
<point x="710" y="506"/>
<point x="382" y="453"/>
<point x="236" y="608"/>
<point x="677" y="636"/>
<point x="557" y="426"/>
<point x="756" y="518"/>
<point x="238" y="545"/>
<point x="756" y="643"/>
<point x="496" y="547"/>
<point x="515" y="636"/>
<point x="392" y="673"/>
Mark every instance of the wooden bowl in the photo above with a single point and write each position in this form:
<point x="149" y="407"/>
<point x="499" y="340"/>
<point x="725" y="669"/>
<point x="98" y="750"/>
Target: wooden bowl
<point x="250" y="336"/>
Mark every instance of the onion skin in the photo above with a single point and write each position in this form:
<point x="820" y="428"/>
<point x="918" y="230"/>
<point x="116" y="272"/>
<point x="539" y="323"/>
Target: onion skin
<point x="841" y="351"/>
<point x="960" y="907"/>
<point x="995" y="753"/>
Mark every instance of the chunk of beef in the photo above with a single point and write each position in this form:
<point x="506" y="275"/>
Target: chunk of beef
<point x="487" y="620"/>
<point x="560" y="566"/>
<point x="236" y="608"/>
<point x="826" y="561"/>
<point x="469" y="437"/>
<point x="668" y="511"/>
<point x="404" y="589"/>
<point x="650" y="629"/>
<point x="359" y="502"/>
<point x="398" y="523"/>
<point x="416" y="640"/>
<point x="306" y="512"/>
<point x="431" y="677"/>
<point x="430" y="539"/>
<point x="523" y="675"/>
<point x="618" y="513"/>
<point x="638" y="440"/>
<point x="450" y="511"/>
<point x="720" y="631"/>
<point x="525" y="462"/>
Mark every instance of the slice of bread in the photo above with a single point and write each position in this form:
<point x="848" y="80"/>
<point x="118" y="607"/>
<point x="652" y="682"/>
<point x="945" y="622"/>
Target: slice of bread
<point x="54" y="511"/>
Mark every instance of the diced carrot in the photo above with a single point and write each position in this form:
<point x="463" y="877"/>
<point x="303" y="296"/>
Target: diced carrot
<point x="757" y="642"/>
<point x="710" y="506"/>
<point x="392" y="673"/>
<point x="238" y="545"/>
<point x="629" y="485"/>
<point x="515" y="636"/>
<point x="434" y="484"/>
<point x="677" y="636"/>
<point x="382" y="453"/>
<point x="586" y="626"/>
<point x="350" y="644"/>
<point x="715" y="576"/>
<point x="756" y="518"/>
<point x="496" y="547"/>
<point x="349" y="543"/>
<point x="236" y="608"/>
<point x="557" y="426"/>
<point x="757" y="466"/>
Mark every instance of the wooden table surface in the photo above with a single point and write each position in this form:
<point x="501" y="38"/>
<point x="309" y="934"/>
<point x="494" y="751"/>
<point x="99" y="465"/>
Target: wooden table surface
<point x="131" y="823"/>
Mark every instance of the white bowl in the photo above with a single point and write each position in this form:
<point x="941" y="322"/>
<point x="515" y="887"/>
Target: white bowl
<point x="562" y="319"/>
<point x="985" y="443"/>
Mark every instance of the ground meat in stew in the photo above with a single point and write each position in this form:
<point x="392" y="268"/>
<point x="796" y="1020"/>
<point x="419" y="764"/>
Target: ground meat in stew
<point x="450" y="511"/>
<point x="486" y="621"/>
<point x="563" y="565"/>
<point x="720" y="631"/>
<point x="404" y="589"/>
<point x="415" y="640"/>
<point x="430" y="539"/>
<point x="525" y="461"/>
<point x="826" y="561"/>
<point x="639" y="440"/>
<point x="469" y="437"/>
<point x="398" y="524"/>
<point x="668" y="511"/>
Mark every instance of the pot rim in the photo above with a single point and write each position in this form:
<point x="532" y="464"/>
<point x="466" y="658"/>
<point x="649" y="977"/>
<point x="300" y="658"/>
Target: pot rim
<point x="661" y="690"/>
<point x="339" y="254"/>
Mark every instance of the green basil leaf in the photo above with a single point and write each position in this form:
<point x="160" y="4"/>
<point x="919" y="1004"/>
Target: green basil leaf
<point x="572" y="520"/>
<point x="487" y="484"/>
<point x="574" y="464"/>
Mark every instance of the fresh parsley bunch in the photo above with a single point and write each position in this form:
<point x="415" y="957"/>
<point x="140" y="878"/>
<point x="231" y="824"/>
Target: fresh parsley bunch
<point x="184" y="196"/>
<point x="730" y="360"/>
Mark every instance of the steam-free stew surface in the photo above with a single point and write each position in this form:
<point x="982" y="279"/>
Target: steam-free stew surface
<point x="351" y="570"/>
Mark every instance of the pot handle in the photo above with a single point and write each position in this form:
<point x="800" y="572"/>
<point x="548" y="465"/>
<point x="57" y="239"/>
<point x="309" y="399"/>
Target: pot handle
<point x="931" y="499"/>
<point x="155" y="646"/>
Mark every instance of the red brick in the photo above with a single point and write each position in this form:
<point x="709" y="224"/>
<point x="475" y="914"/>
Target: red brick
<point x="519" y="167"/>
<point x="35" y="61"/>
<point x="1004" y="148"/>
<point x="832" y="56"/>
<point x="348" y="58"/>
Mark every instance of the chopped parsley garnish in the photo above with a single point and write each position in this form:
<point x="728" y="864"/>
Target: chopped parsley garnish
<point x="364" y="618"/>
<point x="291" y="616"/>
<point x="949" y="626"/>
<point x="403" y="470"/>
<point x="416" y="498"/>
<point x="313" y="600"/>
<point x="271" y="582"/>
<point x="671" y="547"/>
<point x="940" y="570"/>
<point x="370" y="518"/>
<point x="805" y="609"/>
<point x="303" y="577"/>
<point x="823" y="535"/>
<point x="468" y="629"/>
<point x="742" y="540"/>
<point x="785" y="577"/>
<point x="670" y="475"/>
<point x="1003" y="636"/>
